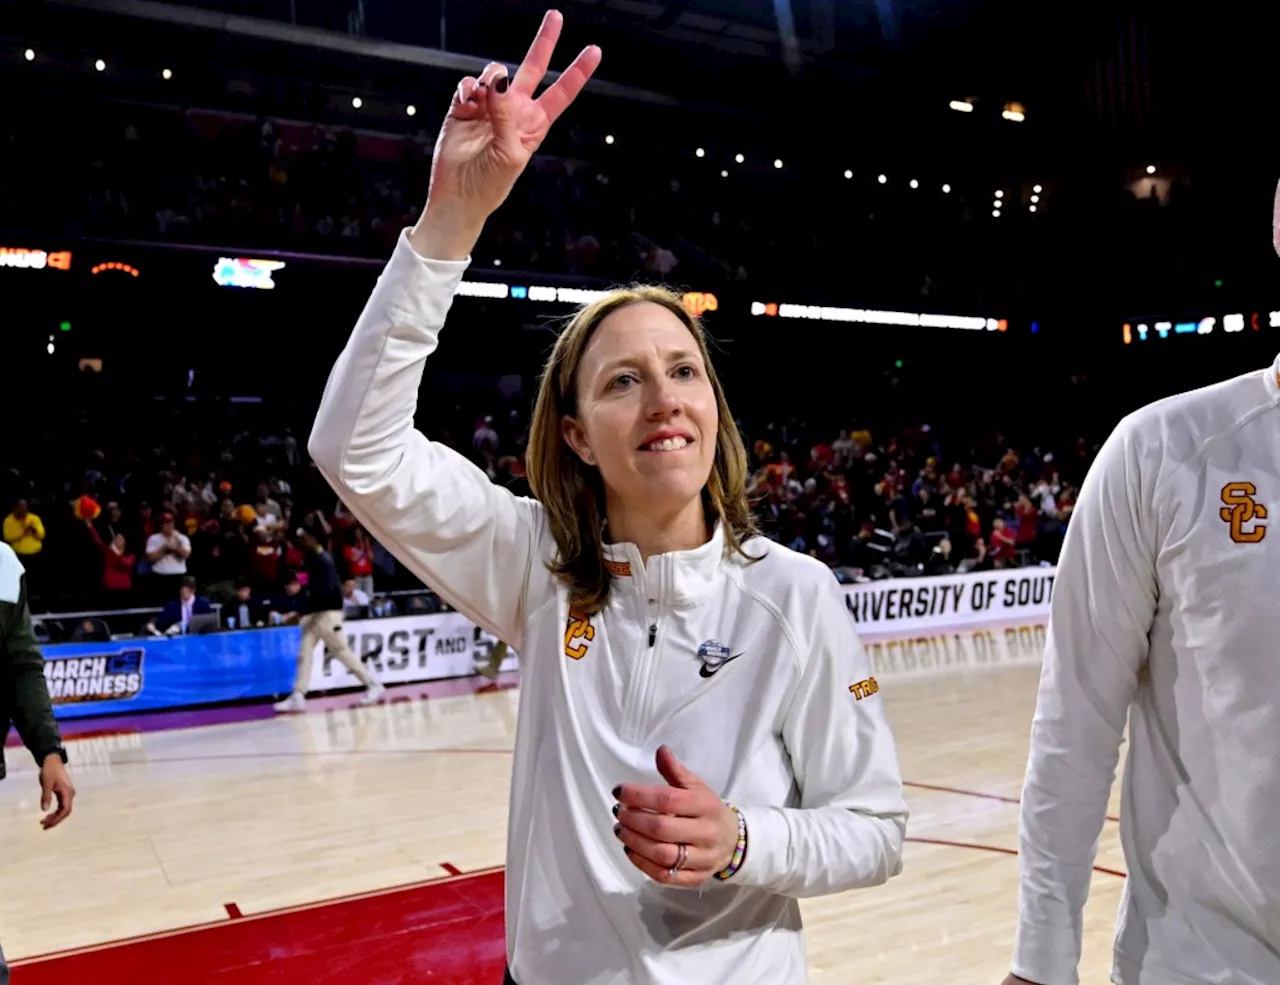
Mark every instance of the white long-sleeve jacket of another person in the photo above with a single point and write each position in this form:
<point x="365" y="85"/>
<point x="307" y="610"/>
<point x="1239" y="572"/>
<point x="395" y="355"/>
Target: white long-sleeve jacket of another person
<point x="1165" y="613"/>
<point x="791" y="728"/>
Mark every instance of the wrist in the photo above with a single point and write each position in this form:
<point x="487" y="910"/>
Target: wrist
<point x="446" y="232"/>
<point x="56" y="755"/>
<point x="739" y="853"/>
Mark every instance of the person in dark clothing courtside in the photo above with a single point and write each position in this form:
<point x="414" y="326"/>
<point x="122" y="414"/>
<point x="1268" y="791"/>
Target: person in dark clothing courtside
<point x="24" y="699"/>
<point x="321" y="622"/>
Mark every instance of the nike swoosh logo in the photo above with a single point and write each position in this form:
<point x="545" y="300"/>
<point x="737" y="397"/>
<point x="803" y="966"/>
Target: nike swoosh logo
<point x="710" y="671"/>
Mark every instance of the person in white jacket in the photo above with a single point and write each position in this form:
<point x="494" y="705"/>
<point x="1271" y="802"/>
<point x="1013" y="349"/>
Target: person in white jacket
<point x="701" y="742"/>
<point x="1165" y="617"/>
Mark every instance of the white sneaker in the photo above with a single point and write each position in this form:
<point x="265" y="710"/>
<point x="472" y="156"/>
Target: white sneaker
<point x="374" y="693"/>
<point x="294" y="703"/>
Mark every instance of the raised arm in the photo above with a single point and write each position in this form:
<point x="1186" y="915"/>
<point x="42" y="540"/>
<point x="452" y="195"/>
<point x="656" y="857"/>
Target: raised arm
<point x="469" y="540"/>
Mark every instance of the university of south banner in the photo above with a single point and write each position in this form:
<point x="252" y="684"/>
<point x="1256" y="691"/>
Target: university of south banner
<point x="152" y="673"/>
<point x="909" y="604"/>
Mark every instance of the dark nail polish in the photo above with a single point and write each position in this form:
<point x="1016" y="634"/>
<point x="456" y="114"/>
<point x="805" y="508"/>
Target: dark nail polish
<point x="617" y="791"/>
<point x="616" y="808"/>
<point x="626" y="849"/>
<point x="617" y="828"/>
<point x="501" y="85"/>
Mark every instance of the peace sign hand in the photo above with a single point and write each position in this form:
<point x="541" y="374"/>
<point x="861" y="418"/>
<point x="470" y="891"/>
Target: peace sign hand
<point x="493" y="128"/>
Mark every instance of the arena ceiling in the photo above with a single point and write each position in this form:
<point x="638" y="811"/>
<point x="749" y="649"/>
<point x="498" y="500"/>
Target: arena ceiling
<point x="1104" y="74"/>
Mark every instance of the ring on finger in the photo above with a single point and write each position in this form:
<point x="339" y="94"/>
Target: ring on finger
<point x="682" y="856"/>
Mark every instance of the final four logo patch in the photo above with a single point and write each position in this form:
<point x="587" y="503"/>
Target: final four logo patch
<point x="714" y="655"/>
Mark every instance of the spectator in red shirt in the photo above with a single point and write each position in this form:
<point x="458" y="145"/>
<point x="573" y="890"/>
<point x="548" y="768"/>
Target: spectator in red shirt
<point x="1003" y="545"/>
<point x="1028" y="522"/>
<point x="117" y="569"/>
<point x="358" y="557"/>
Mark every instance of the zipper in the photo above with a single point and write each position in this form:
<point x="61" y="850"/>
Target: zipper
<point x="643" y="670"/>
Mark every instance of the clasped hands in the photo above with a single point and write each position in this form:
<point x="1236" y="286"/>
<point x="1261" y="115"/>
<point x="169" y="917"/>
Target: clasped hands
<point x="653" y="821"/>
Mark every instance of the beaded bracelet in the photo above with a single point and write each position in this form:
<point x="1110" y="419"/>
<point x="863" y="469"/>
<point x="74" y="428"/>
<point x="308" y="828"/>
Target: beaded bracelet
<point x="739" y="850"/>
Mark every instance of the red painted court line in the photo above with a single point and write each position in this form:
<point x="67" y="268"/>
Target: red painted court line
<point x="976" y="793"/>
<point x="233" y="911"/>
<point x="450" y="868"/>
<point x="999" y="849"/>
<point x="449" y="932"/>
<point x="265" y="914"/>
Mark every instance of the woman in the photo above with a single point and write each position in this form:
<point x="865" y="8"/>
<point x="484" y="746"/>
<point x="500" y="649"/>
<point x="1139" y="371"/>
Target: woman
<point x="696" y="712"/>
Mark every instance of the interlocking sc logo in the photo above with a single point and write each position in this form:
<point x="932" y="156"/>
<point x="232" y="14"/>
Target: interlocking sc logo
<point x="578" y="634"/>
<point x="1243" y="513"/>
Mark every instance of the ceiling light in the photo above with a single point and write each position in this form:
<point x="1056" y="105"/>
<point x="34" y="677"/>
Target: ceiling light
<point x="999" y="193"/>
<point x="100" y="65"/>
<point x="356" y="102"/>
<point x="411" y="110"/>
<point x="995" y="214"/>
<point x="724" y="174"/>
<point x="882" y="179"/>
<point x="29" y="55"/>
<point x="1014" y="112"/>
<point x="961" y="105"/>
<point x="739" y="158"/>
<point x="848" y="173"/>
<point x="1034" y="199"/>
<point x="1033" y="208"/>
<point x="1151" y="169"/>
<point x="946" y="189"/>
<point x="777" y="162"/>
<point x="608" y="138"/>
<point x="914" y="183"/>
<point x="167" y="74"/>
<point x="700" y="152"/>
<point x="1037" y="189"/>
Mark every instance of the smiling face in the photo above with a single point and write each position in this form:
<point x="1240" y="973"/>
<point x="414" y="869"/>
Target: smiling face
<point x="647" y="416"/>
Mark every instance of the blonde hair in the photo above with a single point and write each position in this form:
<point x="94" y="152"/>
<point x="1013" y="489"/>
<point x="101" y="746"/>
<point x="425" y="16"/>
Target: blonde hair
<point x="572" y="492"/>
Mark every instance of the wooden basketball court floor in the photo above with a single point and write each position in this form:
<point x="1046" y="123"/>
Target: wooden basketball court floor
<point x="365" y="845"/>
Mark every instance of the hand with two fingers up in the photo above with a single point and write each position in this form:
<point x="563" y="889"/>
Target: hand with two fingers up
<point x="679" y="833"/>
<point x="493" y="128"/>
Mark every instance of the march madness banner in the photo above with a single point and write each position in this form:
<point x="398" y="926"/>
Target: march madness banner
<point x="910" y="604"/>
<point x="407" y="650"/>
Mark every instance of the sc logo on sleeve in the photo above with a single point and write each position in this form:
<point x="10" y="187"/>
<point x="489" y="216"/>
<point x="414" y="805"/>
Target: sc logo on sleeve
<point x="1243" y="512"/>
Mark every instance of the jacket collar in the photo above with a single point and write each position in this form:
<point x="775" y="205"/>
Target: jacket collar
<point x="680" y="578"/>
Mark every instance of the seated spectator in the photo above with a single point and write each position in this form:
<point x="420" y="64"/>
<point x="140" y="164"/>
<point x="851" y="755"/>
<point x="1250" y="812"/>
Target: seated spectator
<point x="355" y="601"/>
<point x="177" y="614"/>
<point x="939" y="562"/>
<point x="288" y="608"/>
<point x="977" y="559"/>
<point x="246" y="610"/>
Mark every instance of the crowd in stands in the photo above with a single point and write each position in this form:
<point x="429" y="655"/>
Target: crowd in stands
<point x="591" y="210"/>
<point x="157" y="173"/>
<point x="219" y="524"/>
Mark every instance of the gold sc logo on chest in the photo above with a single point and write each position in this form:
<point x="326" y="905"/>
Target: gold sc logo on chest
<point x="1243" y="513"/>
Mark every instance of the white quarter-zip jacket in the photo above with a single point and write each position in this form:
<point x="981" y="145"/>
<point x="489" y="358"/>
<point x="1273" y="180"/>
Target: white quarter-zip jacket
<point x="752" y="673"/>
<point x="1166" y="610"/>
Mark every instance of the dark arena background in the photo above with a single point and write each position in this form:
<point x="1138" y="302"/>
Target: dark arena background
<point x="942" y="247"/>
